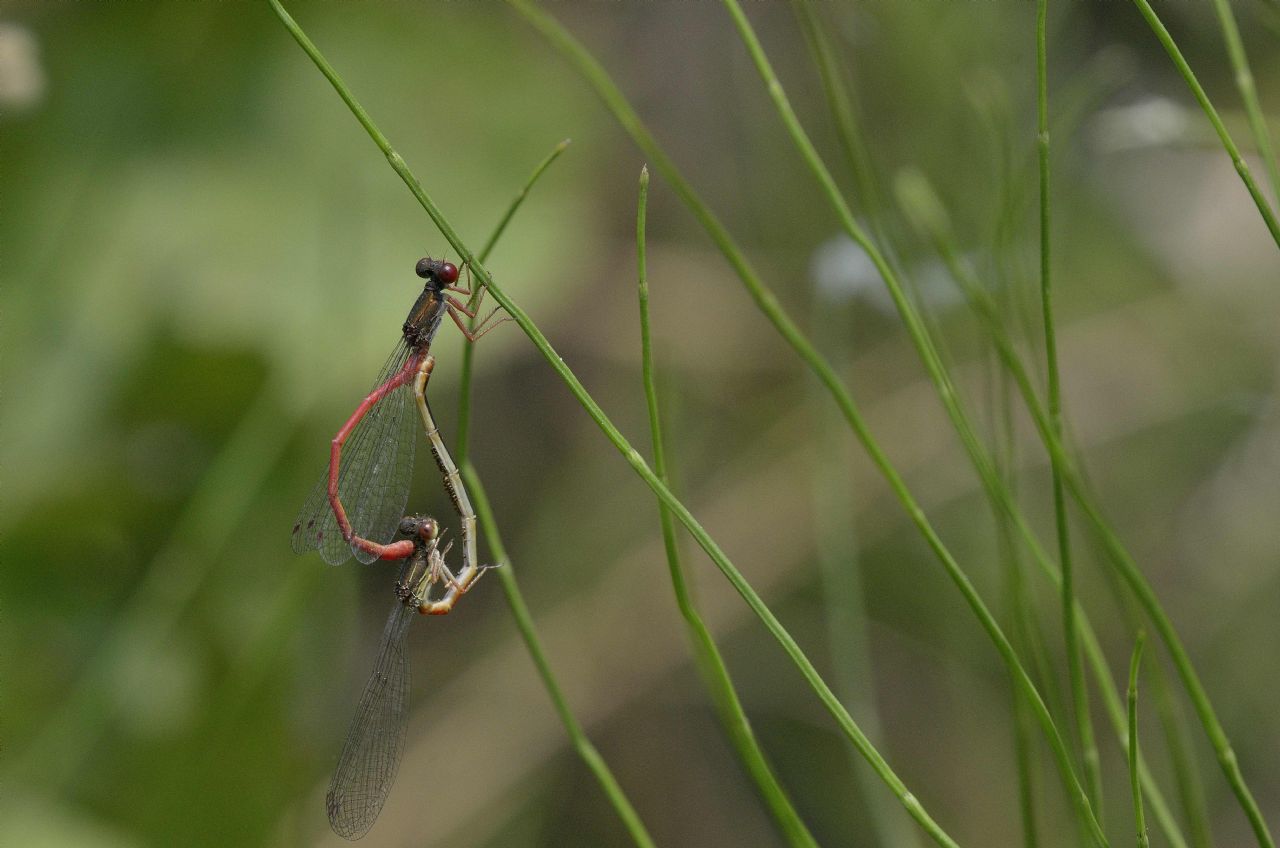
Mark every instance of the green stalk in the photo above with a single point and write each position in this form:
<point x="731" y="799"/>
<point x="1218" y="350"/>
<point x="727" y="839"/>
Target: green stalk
<point x="1019" y="608"/>
<point x="1242" y="168"/>
<point x="633" y="457"/>
<point x="934" y="221"/>
<point x="1115" y="709"/>
<point x="1075" y="663"/>
<point x="1248" y="92"/>
<point x="768" y="304"/>
<point x="524" y="622"/>
<point x="711" y="665"/>
<point x="515" y="600"/>
<point x="463" y="438"/>
<point x="1174" y="725"/>
<point x="920" y="336"/>
<point x="1135" y="780"/>
<point x="510" y="587"/>
<point x="840" y="103"/>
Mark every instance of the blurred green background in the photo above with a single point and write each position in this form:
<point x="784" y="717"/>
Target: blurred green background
<point x="205" y="261"/>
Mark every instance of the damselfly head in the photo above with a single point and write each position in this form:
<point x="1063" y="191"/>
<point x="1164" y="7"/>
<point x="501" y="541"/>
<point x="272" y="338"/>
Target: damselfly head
<point x="422" y="526"/>
<point x="440" y="272"/>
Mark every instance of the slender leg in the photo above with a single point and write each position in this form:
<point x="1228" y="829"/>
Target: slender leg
<point x="456" y="310"/>
<point x="465" y="580"/>
<point x="396" y="550"/>
<point x="461" y="503"/>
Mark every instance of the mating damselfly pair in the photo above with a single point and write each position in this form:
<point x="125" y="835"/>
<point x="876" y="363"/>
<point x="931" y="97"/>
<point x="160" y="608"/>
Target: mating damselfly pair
<point x="357" y="508"/>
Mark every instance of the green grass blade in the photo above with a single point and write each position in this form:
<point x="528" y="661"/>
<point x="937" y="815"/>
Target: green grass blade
<point x="1075" y="663"/>
<point x="1020" y="607"/>
<point x="463" y="438"/>
<point x="524" y="622"/>
<point x="1135" y="778"/>
<point x="711" y="665"/>
<point x="633" y="457"/>
<point x="1177" y="740"/>
<point x="769" y="305"/>
<point x="1242" y="168"/>
<point x="515" y="600"/>
<point x="840" y="103"/>
<point x="918" y="331"/>
<point x="932" y="219"/>
<point x="1248" y="92"/>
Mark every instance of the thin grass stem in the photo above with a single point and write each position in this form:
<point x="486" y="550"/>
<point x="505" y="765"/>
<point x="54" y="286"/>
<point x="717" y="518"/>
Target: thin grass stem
<point x="846" y="723"/>
<point x="515" y="600"/>
<point x="711" y="665"/>
<point x="1248" y="92"/>
<point x="1019" y="605"/>
<point x="1242" y="168"/>
<point x="1075" y="663"/>
<point x="1173" y="722"/>
<point x="768" y="303"/>
<point x="840" y="103"/>
<point x="920" y="336"/>
<point x="934" y="222"/>
<point x="1135" y="777"/>
<point x="524" y="623"/>
<point x="463" y="438"/>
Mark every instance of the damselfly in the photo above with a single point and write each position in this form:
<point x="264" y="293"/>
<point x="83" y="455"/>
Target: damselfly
<point x="355" y="506"/>
<point x="375" y="740"/>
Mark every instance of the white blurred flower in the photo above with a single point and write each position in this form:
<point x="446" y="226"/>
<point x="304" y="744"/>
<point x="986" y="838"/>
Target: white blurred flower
<point x="842" y="271"/>
<point x="22" y="79"/>
<point x="1153" y="122"/>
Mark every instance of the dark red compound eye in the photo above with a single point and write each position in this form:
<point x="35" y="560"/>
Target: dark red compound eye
<point x="447" y="273"/>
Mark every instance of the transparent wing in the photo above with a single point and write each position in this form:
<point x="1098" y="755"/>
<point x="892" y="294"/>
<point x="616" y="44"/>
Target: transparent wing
<point x="375" y="740"/>
<point x="373" y="476"/>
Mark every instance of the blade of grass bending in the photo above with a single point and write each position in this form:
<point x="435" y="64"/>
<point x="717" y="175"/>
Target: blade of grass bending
<point x="1242" y="168"/>
<point x="1020" y="606"/>
<point x="711" y="665"/>
<point x="519" y="610"/>
<point x="935" y="222"/>
<point x="1248" y="92"/>
<point x="839" y="101"/>
<point x="524" y="622"/>
<point x="633" y="458"/>
<point x="1089" y="642"/>
<point x="1173" y="723"/>
<point x="768" y="303"/>
<point x="1135" y="780"/>
<point x="986" y="308"/>
<point x="919" y="334"/>
<point x="463" y="438"/>
<point x="1075" y="663"/>
<point x="585" y="749"/>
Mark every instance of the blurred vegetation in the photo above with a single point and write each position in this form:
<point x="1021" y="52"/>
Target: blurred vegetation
<point x="204" y="262"/>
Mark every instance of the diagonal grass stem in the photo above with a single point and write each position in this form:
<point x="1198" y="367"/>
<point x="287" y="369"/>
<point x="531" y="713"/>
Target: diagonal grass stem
<point x="633" y="457"/>
<point x="711" y="665"/>
<point x="1242" y="168"/>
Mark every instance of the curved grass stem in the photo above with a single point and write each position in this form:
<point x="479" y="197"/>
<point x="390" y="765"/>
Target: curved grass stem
<point x="918" y="331"/>
<point x="1075" y="663"/>
<point x="1135" y="777"/>
<point x="515" y="600"/>
<point x="711" y="665"/>
<point x="769" y="305"/>
<point x="1248" y="92"/>
<point x="846" y="723"/>
<point x="1242" y="168"/>
<point x="1116" y="553"/>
